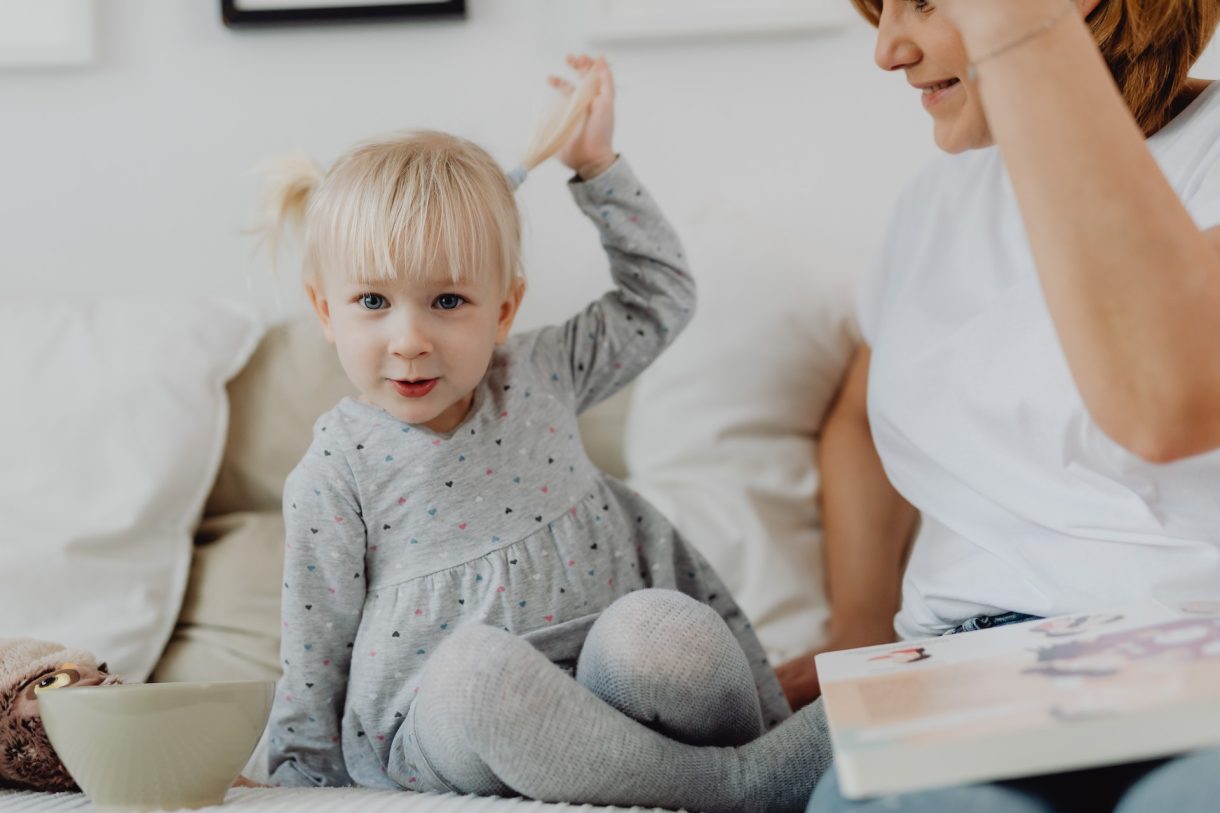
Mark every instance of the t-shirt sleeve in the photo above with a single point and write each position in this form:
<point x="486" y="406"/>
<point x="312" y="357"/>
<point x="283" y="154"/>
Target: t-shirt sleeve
<point x="873" y="286"/>
<point x="610" y="342"/>
<point x="323" y="594"/>
<point x="1203" y="201"/>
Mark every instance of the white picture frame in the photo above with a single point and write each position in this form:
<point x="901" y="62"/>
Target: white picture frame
<point x="618" y="21"/>
<point x="46" y="33"/>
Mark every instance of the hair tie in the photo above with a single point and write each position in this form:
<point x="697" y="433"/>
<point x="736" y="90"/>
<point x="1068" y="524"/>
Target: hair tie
<point x="516" y="176"/>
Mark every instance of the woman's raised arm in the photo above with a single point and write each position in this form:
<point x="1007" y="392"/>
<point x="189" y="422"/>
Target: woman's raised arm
<point x="1131" y="282"/>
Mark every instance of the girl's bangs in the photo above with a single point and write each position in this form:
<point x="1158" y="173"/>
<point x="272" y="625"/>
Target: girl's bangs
<point x="418" y="238"/>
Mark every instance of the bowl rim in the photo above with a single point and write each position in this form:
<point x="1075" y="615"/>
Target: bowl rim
<point x="111" y="688"/>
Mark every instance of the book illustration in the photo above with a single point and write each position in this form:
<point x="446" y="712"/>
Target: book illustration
<point x="1021" y="677"/>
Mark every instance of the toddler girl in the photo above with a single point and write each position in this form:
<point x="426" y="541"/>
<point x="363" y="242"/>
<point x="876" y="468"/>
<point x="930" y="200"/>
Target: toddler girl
<point x="454" y="559"/>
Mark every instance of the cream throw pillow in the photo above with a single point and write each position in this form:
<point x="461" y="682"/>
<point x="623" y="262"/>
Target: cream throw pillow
<point x="722" y="430"/>
<point x="116" y="414"/>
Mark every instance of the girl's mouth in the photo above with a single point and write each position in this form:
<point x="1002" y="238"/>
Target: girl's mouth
<point x="414" y="389"/>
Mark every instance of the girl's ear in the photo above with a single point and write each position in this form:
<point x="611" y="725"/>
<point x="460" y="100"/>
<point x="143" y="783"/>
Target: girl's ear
<point x="321" y="307"/>
<point x="508" y="310"/>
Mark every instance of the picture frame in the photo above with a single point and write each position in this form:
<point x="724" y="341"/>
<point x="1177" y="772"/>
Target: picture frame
<point x="629" y="21"/>
<point x="47" y="33"/>
<point x="242" y="13"/>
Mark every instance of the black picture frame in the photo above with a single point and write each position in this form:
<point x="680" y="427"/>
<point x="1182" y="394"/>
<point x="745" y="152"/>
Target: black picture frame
<point x="338" y="11"/>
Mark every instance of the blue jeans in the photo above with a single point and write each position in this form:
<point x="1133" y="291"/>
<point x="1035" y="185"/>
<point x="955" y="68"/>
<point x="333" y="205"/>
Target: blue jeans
<point x="983" y="622"/>
<point x="1185" y="784"/>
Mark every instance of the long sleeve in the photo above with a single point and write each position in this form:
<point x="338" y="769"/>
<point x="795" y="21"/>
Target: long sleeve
<point x="323" y="595"/>
<point x="610" y="342"/>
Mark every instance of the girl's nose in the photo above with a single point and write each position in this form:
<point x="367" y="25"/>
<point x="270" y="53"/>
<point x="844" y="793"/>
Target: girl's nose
<point x="409" y="337"/>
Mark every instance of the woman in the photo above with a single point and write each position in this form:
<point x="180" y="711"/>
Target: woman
<point x="1039" y="375"/>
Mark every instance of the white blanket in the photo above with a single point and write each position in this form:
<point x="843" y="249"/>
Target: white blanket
<point x="319" y="800"/>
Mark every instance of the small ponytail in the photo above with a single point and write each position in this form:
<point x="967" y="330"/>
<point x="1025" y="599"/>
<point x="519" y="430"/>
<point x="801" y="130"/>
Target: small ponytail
<point x="288" y="187"/>
<point x="556" y="126"/>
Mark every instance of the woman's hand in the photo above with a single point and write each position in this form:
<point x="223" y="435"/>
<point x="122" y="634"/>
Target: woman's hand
<point x="799" y="676"/>
<point x="590" y="150"/>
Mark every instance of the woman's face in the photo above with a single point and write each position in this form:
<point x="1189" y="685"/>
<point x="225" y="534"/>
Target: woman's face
<point x="912" y="37"/>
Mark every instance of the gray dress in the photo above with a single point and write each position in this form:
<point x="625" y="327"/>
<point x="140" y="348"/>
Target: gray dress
<point x="397" y="535"/>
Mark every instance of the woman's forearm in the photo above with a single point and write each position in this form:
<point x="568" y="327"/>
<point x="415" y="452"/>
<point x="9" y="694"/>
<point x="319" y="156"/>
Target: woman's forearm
<point x="1132" y="284"/>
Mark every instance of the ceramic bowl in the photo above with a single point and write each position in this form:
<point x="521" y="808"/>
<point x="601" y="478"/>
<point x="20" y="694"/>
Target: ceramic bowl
<point x="156" y="746"/>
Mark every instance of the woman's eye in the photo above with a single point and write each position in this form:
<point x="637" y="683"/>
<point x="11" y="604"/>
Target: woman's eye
<point x="55" y="681"/>
<point x="373" y="302"/>
<point x="448" y="302"/>
<point x="922" y="5"/>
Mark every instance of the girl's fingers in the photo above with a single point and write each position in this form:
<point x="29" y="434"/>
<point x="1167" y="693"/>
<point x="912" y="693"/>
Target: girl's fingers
<point x="607" y="76"/>
<point x="562" y="85"/>
<point x="580" y="63"/>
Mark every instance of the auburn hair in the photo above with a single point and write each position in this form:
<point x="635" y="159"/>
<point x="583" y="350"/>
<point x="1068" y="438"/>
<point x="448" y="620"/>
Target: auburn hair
<point x="1150" y="46"/>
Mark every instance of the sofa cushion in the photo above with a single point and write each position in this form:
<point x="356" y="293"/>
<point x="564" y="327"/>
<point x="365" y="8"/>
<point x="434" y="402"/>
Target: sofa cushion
<point x="722" y="431"/>
<point x="229" y="628"/>
<point x="292" y="378"/>
<point x="117" y="420"/>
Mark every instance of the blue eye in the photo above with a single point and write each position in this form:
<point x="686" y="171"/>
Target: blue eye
<point x="373" y="302"/>
<point x="448" y="302"/>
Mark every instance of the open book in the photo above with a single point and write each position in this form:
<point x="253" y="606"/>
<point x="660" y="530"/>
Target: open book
<point x="1039" y="697"/>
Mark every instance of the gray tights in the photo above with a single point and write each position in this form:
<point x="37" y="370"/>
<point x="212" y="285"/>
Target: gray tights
<point x="663" y="712"/>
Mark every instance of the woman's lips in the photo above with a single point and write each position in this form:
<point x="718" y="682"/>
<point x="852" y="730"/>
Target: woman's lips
<point x="933" y="95"/>
<point x="414" y="389"/>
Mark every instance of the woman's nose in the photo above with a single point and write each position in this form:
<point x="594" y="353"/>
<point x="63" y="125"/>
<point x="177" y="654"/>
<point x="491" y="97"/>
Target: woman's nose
<point x="895" y="49"/>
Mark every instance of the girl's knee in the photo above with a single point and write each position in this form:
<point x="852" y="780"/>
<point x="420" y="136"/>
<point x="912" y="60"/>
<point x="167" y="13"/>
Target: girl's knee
<point x="643" y="616"/>
<point x="458" y="667"/>
<point x="650" y="639"/>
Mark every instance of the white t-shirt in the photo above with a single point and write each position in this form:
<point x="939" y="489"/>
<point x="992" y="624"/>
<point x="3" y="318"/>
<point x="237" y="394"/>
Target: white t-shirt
<point x="1027" y="506"/>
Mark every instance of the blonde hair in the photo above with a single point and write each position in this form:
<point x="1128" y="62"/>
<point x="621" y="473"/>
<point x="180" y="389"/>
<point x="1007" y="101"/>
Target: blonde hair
<point x="1150" y="46"/>
<point x="414" y="204"/>
<point x="404" y="207"/>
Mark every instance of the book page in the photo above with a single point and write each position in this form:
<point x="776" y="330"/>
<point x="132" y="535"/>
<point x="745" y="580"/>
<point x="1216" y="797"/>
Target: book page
<point x="1039" y="674"/>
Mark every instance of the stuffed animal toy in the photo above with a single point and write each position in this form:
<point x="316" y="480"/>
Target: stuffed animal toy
<point x="27" y="669"/>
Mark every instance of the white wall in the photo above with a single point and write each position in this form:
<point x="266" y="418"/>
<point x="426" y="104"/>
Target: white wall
<point x="133" y="174"/>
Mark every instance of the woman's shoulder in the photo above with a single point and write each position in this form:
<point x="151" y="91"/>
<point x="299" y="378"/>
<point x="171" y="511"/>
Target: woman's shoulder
<point x="1201" y="113"/>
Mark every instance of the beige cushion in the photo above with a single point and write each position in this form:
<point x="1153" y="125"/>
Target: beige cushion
<point x="293" y="377"/>
<point x="229" y="627"/>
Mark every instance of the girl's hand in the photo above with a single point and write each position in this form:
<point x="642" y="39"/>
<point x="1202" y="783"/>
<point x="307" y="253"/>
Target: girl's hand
<point x="590" y="150"/>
